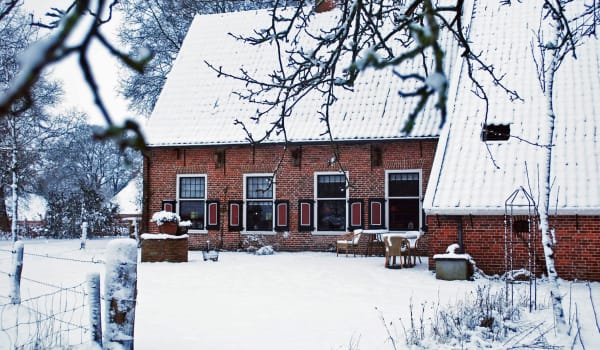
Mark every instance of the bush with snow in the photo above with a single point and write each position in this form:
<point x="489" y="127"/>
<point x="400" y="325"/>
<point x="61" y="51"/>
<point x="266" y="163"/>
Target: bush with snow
<point x="266" y="250"/>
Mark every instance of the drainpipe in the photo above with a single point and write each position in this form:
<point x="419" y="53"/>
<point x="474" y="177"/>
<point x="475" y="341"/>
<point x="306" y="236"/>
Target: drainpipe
<point x="145" y="193"/>
<point x="460" y="235"/>
<point x="459" y="225"/>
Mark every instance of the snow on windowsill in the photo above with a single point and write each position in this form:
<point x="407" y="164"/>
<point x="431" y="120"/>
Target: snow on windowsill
<point x="266" y="233"/>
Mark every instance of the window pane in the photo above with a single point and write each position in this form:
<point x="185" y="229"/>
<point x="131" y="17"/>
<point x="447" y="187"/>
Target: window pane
<point x="331" y="215"/>
<point x="259" y="216"/>
<point x="259" y="187"/>
<point x="193" y="211"/>
<point x="331" y="186"/>
<point x="191" y="187"/>
<point x="403" y="185"/>
<point x="404" y="214"/>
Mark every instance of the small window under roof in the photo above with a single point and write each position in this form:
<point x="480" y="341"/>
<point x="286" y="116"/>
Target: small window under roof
<point x="495" y="132"/>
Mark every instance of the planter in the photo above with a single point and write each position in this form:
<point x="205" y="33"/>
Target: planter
<point x="451" y="267"/>
<point x="210" y="255"/>
<point x="168" y="228"/>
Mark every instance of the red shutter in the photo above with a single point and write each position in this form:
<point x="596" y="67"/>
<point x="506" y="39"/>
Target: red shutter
<point x="377" y="213"/>
<point x="213" y="215"/>
<point x="235" y="215"/>
<point x="168" y="205"/>
<point x="234" y="218"/>
<point x="356" y="214"/>
<point x="281" y="215"/>
<point x="305" y="215"/>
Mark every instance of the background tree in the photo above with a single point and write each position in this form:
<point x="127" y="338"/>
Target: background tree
<point x="23" y="131"/>
<point x="67" y="210"/>
<point x="80" y="179"/>
<point x="160" y="26"/>
<point x="73" y="31"/>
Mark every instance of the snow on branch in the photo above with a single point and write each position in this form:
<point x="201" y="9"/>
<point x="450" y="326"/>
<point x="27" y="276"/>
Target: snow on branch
<point x="322" y="54"/>
<point x="73" y="32"/>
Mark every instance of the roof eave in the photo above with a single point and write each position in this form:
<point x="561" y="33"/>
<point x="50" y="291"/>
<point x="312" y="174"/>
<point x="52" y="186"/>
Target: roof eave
<point x="292" y="142"/>
<point x="494" y="211"/>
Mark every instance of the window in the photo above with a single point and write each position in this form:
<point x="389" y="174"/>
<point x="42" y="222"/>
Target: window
<point x="331" y="197"/>
<point x="404" y="200"/>
<point x="191" y="197"/>
<point x="259" y="197"/>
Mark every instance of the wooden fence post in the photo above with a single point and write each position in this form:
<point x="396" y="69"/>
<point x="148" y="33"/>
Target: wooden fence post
<point x="84" y="229"/>
<point x="136" y="230"/>
<point x="15" y="293"/>
<point x="120" y="291"/>
<point x="93" y="286"/>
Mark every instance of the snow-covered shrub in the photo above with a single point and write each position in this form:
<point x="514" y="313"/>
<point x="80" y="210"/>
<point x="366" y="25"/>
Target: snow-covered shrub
<point x="253" y="242"/>
<point x="161" y="217"/>
<point x="479" y="321"/>
<point x="266" y="250"/>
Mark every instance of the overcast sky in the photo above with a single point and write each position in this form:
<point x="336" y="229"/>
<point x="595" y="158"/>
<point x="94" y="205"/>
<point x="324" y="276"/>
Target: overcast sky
<point x="104" y="67"/>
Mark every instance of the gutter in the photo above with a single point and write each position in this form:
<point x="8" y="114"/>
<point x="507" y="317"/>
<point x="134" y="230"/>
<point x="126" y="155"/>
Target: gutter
<point x="479" y="211"/>
<point x="294" y="143"/>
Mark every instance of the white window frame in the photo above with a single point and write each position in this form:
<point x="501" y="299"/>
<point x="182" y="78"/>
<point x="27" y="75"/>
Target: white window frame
<point x="179" y="200"/>
<point x="245" y="210"/>
<point x="387" y="197"/>
<point x="316" y="201"/>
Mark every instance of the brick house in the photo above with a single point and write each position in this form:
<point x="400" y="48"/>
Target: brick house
<point x="304" y="193"/>
<point x="469" y="198"/>
<point x="296" y="195"/>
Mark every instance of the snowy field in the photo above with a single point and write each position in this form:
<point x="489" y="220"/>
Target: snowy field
<point x="280" y="301"/>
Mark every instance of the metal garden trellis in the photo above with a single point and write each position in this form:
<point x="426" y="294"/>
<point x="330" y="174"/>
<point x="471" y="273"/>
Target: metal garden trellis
<point x="521" y="227"/>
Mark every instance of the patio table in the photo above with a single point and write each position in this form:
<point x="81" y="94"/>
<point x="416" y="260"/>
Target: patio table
<point x="373" y="237"/>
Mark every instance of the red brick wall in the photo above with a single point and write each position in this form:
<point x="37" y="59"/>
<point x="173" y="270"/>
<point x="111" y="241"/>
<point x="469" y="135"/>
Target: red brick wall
<point x="171" y="250"/>
<point x="293" y="182"/>
<point x="577" y="253"/>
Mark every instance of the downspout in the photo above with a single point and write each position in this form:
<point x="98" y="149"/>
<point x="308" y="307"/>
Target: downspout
<point x="145" y="192"/>
<point x="459" y="227"/>
<point x="461" y="250"/>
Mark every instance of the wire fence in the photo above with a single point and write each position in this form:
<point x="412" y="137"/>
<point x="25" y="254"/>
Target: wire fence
<point x="48" y="256"/>
<point x="56" y="318"/>
<point x="48" y="321"/>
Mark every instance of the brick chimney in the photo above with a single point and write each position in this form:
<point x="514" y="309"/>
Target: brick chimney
<point x="324" y="5"/>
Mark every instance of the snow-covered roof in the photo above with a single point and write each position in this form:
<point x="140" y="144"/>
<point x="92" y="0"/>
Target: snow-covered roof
<point x="473" y="177"/>
<point x="197" y="107"/>
<point x="31" y="207"/>
<point x="129" y="198"/>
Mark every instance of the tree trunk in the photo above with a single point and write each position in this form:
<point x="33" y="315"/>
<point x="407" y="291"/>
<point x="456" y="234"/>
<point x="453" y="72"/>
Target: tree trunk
<point x="547" y="137"/>
<point x="4" y="223"/>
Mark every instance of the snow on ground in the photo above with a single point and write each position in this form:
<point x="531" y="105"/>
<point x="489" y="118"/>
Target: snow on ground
<point x="286" y="300"/>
